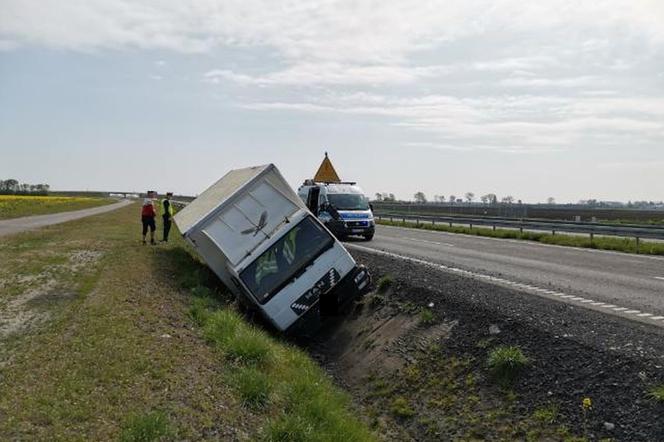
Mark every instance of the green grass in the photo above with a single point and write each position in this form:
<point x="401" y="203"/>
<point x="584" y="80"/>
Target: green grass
<point x="304" y="404"/>
<point x="657" y="393"/>
<point x="427" y="316"/>
<point x="401" y="408"/>
<point x="146" y="428"/>
<point x="254" y="387"/>
<point x="384" y="283"/>
<point x="250" y="347"/>
<point x="547" y="414"/>
<point x="142" y="329"/>
<point x="505" y="363"/>
<point x="627" y="245"/>
<point x="16" y="206"/>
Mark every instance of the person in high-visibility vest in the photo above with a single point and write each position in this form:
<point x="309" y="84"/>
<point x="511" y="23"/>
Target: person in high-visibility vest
<point x="167" y="214"/>
<point x="268" y="263"/>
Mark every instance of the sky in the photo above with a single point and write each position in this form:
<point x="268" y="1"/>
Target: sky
<point x="560" y="99"/>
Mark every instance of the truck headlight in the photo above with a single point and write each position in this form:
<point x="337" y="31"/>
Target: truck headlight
<point x="360" y="276"/>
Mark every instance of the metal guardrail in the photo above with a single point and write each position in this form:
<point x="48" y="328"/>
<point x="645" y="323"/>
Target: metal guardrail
<point x="592" y="229"/>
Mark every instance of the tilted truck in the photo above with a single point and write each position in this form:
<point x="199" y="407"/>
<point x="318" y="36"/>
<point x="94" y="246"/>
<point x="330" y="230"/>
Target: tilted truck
<point x="260" y="239"/>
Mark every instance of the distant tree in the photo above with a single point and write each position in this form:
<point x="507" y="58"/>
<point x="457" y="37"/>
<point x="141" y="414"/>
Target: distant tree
<point x="420" y="197"/>
<point x="470" y="196"/>
<point x="452" y="198"/>
<point x="379" y="197"/>
<point x="491" y="198"/>
<point x="11" y="185"/>
<point x="509" y="199"/>
<point x="484" y="199"/>
<point x="551" y="200"/>
<point x="391" y="197"/>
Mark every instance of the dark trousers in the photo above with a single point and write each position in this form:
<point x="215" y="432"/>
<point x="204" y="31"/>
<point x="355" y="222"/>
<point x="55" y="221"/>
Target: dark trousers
<point x="167" y="226"/>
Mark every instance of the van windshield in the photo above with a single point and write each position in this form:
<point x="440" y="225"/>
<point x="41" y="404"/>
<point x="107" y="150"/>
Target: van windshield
<point x="285" y="259"/>
<point x="348" y="201"/>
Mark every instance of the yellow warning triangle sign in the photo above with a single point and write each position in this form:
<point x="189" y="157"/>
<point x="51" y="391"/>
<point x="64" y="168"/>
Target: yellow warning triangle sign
<point x="326" y="172"/>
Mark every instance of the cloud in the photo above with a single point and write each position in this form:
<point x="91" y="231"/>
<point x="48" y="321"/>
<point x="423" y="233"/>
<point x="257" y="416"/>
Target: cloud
<point x="585" y="80"/>
<point x="305" y="74"/>
<point x="345" y="30"/>
<point x="514" y="124"/>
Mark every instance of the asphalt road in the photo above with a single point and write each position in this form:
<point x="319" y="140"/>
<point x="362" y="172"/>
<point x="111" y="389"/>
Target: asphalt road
<point x="17" y="225"/>
<point x="620" y="284"/>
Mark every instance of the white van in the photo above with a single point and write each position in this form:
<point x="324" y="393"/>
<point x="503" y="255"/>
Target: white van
<point x="342" y="207"/>
<point x="259" y="238"/>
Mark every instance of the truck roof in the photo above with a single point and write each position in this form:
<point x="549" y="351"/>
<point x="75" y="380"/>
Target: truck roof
<point x="216" y="195"/>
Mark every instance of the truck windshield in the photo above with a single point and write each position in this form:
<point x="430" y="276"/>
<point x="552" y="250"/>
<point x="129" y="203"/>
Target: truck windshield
<point x="285" y="259"/>
<point x="348" y="201"/>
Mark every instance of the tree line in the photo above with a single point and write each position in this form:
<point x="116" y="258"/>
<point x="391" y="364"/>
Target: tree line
<point x="469" y="197"/>
<point x="13" y="187"/>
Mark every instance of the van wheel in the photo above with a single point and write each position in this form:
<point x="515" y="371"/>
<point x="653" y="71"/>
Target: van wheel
<point x="369" y="237"/>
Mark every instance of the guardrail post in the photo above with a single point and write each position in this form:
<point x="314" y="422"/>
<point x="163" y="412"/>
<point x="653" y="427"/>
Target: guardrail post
<point x="391" y="219"/>
<point x="433" y="221"/>
<point x="553" y="233"/>
<point x="592" y="237"/>
<point x="494" y="227"/>
<point x="417" y="222"/>
<point x="471" y="226"/>
<point x="404" y="220"/>
<point x="637" y="244"/>
<point x="450" y="224"/>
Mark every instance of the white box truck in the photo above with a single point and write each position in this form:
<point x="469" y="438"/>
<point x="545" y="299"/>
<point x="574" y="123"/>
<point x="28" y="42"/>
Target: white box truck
<point x="260" y="239"/>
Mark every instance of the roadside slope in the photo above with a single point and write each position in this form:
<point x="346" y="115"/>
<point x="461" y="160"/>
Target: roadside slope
<point x="98" y="342"/>
<point x="415" y="355"/>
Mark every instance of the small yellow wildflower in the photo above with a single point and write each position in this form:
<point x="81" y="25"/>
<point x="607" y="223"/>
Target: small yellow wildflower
<point x="587" y="403"/>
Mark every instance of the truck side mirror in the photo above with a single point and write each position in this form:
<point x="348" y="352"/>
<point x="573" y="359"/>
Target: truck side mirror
<point x="371" y="207"/>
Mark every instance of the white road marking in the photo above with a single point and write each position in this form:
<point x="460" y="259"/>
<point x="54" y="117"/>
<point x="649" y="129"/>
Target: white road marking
<point x="431" y="242"/>
<point x="571" y="299"/>
<point x="661" y="278"/>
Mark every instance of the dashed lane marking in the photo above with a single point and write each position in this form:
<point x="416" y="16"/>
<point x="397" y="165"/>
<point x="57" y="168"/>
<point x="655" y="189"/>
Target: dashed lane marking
<point x="661" y="278"/>
<point x="539" y="291"/>
<point x="431" y="242"/>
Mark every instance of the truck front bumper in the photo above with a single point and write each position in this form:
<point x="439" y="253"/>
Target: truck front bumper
<point x="351" y="286"/>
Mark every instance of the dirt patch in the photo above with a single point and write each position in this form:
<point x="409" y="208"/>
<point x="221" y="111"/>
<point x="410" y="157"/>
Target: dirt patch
<point x="82" y="259"/>
<point x="18" y="314"/>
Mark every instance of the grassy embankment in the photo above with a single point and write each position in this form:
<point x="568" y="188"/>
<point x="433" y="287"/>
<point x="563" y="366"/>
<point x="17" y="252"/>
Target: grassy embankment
<point x="627" y="245"/>
<point x="16" y="206"/>
<point x="103" y="338"/>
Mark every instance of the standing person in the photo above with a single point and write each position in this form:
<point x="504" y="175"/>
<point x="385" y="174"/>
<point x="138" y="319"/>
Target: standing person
<point x="147" y="218"/>
<point x="167" y="214"/>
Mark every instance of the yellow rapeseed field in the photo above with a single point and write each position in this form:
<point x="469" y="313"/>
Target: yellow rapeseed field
<point x="14" y="206"/>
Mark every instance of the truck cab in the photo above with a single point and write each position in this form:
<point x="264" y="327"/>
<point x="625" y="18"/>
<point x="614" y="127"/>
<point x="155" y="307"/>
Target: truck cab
<point x="342" y="207"/>
<point x="257" y="235"/>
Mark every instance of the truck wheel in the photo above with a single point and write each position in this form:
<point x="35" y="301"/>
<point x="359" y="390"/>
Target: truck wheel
<point x="368" y="236"/>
